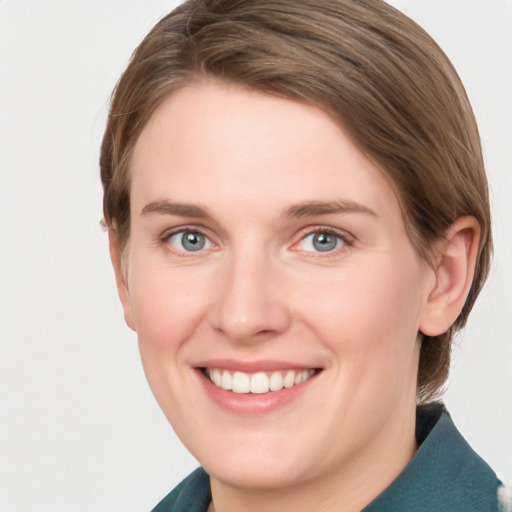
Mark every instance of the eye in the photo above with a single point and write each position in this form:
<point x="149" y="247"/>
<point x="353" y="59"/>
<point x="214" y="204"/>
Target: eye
<point x="188" y="241"/>
<point x="322" y="241"/>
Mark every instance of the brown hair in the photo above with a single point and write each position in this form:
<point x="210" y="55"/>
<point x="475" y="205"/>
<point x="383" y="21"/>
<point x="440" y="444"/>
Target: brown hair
<point x="370" y="67"/>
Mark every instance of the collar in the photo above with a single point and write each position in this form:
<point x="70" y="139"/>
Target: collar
<point x="191" y="495"/>
<point x="445" y="473"/>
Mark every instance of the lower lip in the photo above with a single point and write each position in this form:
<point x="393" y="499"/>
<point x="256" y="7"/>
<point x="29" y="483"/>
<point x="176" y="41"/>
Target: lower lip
<point x="253" y="403"/>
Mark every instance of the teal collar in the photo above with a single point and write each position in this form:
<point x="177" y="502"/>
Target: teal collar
<point x="445" y="475"/>
<point x="191" y="495"/>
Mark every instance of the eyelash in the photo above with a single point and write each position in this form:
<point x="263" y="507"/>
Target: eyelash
<point x="165" y="240"/>
<point x="346" y="239"/>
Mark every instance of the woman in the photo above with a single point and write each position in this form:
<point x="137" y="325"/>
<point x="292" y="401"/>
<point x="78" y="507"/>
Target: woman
<point x="299" y="222"/>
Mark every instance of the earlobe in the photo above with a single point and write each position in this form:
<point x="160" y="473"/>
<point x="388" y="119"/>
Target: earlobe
<point x="122" y="287"/>
<point x="454" y="270"/>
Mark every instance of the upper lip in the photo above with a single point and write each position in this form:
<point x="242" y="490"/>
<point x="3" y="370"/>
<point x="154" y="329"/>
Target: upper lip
<point x="253" y="366"/>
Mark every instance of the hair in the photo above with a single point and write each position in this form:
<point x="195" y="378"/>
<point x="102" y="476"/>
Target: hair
<point x="375" y="71"/>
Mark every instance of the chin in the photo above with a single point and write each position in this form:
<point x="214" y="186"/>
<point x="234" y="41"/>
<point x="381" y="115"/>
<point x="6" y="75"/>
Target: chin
<point x="255" y="473"/>
<point x="261" y="461"/>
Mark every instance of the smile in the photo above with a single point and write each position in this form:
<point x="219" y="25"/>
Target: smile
<point x="259" y="382"/>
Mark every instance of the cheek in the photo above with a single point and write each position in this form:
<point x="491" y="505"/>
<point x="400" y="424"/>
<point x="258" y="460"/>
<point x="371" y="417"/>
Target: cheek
<point x="368" y="314"/>
<point x="167" y="307"/>
<point x="369" y="323"/>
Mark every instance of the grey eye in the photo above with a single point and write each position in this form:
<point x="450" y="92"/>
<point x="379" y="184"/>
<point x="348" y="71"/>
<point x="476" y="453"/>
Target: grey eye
<point x="324" y="242"/>
<point x="321" y="242"/>
<point x="189" y="241"/>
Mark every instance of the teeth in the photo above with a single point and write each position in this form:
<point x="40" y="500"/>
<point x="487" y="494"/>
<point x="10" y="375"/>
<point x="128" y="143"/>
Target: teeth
<point x="301" y="377"/>
<point x="258" y="383"/>
<point x="276" y="382"/>
<point x="216" y="376"/>
<point x="289" y="379"/>
<point x="226" y="381"/>
<point x="241" y="383"/>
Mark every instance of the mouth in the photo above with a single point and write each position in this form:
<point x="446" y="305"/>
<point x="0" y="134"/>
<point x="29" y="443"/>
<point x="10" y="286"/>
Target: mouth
<point x="259" y="382"/>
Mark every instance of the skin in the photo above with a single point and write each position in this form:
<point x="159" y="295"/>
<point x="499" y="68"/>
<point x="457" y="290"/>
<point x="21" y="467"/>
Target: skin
<point x="260" y="291"/>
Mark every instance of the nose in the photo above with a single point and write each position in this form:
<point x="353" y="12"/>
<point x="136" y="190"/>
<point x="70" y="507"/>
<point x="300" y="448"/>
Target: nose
<point x="249" y="305"/>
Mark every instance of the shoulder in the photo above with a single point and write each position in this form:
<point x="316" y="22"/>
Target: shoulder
<point x="445" y="473"/>
<point x="191" y="495"/>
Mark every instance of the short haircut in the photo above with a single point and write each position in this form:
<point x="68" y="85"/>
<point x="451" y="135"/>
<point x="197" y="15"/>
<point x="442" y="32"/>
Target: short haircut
<point x="370" y="67"/>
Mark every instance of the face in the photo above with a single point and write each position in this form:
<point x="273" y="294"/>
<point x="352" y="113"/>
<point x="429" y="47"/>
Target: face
<point x="275" y="293"/>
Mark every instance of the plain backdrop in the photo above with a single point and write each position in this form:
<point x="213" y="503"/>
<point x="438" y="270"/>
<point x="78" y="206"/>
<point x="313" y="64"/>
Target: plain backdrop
<point x="79" y="428"/>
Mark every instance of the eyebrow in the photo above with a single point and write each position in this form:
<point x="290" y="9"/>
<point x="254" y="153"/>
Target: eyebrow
<point x="299" y="210"/>
<point x="179" y="209"/>
<point x="312" y="208"/>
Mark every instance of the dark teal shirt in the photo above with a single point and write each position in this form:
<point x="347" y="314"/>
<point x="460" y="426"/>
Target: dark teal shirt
<point x="444" y="475"/>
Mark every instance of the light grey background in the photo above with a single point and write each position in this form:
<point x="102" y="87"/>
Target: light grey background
<point x="79" y="429"/>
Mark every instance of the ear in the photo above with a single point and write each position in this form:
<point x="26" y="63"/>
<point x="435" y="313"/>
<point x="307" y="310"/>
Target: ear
<point x="454" y="270"/>
<point x="122" y="287"/>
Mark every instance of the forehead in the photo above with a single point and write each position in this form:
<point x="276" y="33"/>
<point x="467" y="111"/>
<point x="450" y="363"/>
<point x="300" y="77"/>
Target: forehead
<point x="209" y="140"/>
